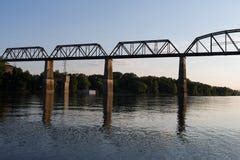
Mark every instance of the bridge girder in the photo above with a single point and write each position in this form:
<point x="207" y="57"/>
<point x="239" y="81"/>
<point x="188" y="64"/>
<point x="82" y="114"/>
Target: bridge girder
<point x="24" y="53"/>
<point x="217" y="43"/>
<point x="141" y="48"/>
<point x="78" y="51"/>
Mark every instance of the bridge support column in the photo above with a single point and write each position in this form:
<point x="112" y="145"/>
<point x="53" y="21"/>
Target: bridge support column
<point x="48" y="91"/>
<point x="49" y="77"/>
<point x="48" y="107"/>
<point x="66" y="91"/>
<point x="182" y="78"/>
<point x="108" y="88"/>
<point x="66" y="84"/>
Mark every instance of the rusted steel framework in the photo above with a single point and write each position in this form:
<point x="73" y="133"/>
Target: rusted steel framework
<point x="217" y="43"/>
<point x="78" y="51"/>
<point x="24" y="54"/>
<point x="148" y="48"/>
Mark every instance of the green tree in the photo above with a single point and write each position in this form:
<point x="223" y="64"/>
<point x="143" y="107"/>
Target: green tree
<point x="83" y="82"/>
<point x="73" y="84"/>
<point x="132" y="83"/>
<point x="96" y="82"/>
<point x="1" y="71"/>
<point x="167" y="86"/>
<point x="116" y="81"/>
<point x="152" y="84"/>
<point x="140" y="87"/>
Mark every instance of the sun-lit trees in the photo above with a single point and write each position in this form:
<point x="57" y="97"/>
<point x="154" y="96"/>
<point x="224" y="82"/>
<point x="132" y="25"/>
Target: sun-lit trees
<point x="128" y="83"/>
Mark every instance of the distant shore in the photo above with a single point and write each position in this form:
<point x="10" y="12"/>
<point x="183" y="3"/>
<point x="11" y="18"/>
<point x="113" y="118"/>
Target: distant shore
<point x="128" y="83"/>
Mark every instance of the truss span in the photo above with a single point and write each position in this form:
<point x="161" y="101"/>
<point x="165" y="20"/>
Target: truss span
<point x="24" y="54"/>
<point x="148" y="48"/>
<point x="220" y="43"/>
<point x="78" y="51"/>
<point x="225" y="42"/>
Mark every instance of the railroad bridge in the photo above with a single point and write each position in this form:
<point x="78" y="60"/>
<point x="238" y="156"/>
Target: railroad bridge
<point x="220" y="43"/>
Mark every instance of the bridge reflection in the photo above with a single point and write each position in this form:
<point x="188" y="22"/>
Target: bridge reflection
<point x="206" y="45"/>
<point x="66" y="100"/>
<point x="107" y="121"/>
<point x="49" y="104"/>
<point x="107" y="111"/>
<point x="47" y="108"/>
<point x="182" y="108"/>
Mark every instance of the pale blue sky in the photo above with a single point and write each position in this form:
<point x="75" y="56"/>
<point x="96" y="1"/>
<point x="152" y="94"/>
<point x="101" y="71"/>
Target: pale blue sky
<point x="50" y="22"/>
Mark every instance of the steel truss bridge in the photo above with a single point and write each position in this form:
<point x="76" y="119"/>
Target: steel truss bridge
<point x="220" y="43"/>
<point x="213" y="44"/>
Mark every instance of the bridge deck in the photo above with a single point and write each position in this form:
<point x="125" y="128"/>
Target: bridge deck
<point x="127" y="56"/>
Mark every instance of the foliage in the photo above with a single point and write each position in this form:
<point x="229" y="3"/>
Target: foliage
<point x="96" y="82"/>
<point x="167" y="86"/>
<point x="73" y="84"/>
<point x="1" y="71"/>
<point x="123" y="83"/>
<point x="83" y="82"/>
<point x="199" y="89"/>
<point x="152" y="84"/>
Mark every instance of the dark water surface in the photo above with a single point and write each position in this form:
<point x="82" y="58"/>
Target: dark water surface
<point x="139" y="128"/>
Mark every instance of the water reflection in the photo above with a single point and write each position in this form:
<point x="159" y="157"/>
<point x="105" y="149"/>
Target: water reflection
<point x="47" y="108"/>
<point x="3" y="106"/>
<point x="66" y="101"/>
<point x="148" y="131"/>
<point x="107" y="111"/>
<point x="182" y="108"/>
<point x="126" y="103"/>
<point x="107" y="120"/>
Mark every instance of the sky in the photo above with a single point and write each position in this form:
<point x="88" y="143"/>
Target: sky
<point x="48" y="23"/>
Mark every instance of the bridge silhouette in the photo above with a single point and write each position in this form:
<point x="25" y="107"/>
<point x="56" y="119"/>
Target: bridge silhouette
<point x="220" y="43"/>
<point x="212" y="44"/>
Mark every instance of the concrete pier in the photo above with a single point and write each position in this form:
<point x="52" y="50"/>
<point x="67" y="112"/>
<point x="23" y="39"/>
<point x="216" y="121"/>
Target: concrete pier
<point x="47" y="108"/>
<point x="66" y="84"/>
<point x="49" y="77"/>
<point x="108" y="88"/>
<point x="182" y="78"/>
<point x="66" y="91"/>
<point x="48" y="92"/>
<point x="66" y="101"/>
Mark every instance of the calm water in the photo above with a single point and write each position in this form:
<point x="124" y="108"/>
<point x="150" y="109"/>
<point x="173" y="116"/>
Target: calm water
<point x="139" y="128"/>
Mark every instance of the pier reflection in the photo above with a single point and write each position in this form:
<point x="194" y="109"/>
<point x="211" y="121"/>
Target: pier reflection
<point x="107" y="120"/>
<point x="47" y="108"/>
<point x="107" y="112"/>
<point x="182" y="108"/>
<point x="66" y="101"/>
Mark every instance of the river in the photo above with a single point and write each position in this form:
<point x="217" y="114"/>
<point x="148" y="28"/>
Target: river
<point x="140" y="127"/>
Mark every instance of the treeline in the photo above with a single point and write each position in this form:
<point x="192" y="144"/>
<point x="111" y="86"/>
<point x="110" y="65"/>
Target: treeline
<point x="22" y="81"/>
<point x="125" y="83"/>
<point x="200" y="89"/>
